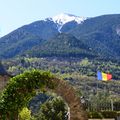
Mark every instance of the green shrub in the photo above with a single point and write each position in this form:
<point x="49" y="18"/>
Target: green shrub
<point x="20" y="89"/>
<point x="103" y="114"/>
<point x="94" y="115"/>
<point x="25" y="114"/>
<point x="54" y="109"/>
<point x="109" y="114"/>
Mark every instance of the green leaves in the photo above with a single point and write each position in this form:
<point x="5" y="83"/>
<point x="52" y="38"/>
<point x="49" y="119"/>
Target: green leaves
<point x="54" y="109"/>
<point x="21" y="88"/>
<point x="25" y="114"/>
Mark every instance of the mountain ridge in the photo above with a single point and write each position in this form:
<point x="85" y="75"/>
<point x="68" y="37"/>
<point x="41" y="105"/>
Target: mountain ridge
<point x="100" y="34"/>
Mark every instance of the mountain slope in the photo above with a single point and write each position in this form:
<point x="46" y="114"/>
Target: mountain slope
<point x="17" y="42"/>
<point x="25" y="38"/>
<point x="63" y="45"/>
<point x="101" y="34"/>
<point x="28" y="36"/>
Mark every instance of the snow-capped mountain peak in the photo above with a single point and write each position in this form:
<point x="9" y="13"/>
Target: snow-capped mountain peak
<point x="63" y="18"/>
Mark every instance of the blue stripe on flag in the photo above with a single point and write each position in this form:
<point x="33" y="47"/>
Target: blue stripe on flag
<point x="99" y="75"/>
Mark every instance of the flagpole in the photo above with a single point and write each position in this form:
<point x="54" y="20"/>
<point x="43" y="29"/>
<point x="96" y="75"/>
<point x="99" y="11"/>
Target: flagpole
<point x="97" y="87"/>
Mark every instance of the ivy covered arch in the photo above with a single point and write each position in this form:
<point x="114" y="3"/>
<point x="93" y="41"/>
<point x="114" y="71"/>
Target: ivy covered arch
<point x="22" y="88"/>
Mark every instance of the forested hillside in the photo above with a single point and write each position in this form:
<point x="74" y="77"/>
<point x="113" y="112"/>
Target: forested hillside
<point x="101" y="34"/>
<point x="80" y="73"/>
<point x="63" y="45"/>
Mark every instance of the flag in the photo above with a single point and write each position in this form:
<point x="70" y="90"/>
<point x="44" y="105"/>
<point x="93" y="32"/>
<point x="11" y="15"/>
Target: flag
<point x="103" y="76"/>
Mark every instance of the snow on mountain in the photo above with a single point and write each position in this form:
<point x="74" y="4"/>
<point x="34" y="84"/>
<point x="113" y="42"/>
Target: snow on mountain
<point x="64" y="18"/>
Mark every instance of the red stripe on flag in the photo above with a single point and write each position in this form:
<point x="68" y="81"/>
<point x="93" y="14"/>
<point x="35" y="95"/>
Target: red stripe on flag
<point x="109" y="76"/>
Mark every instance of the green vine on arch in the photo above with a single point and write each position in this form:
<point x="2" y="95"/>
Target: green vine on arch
<point x="20" y="90"/>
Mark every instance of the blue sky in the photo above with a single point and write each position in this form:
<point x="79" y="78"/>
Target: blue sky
<point x="15" y="13"/>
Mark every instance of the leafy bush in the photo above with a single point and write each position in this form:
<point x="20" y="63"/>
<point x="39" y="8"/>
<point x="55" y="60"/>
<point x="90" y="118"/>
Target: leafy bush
<point x="52" y="110"/>
<point x="103" y="114"/>
<point x="109" y="114"/>
<point x="25" y="114"/>
<point x="94" y="114"/>
<point x="21" y="89"/>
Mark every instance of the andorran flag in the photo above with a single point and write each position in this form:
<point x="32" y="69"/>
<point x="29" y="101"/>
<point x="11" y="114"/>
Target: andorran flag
<point x="103" y="76"/>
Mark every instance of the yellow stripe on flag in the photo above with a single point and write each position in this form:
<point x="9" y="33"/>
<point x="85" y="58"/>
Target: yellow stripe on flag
<point x="104" y="76"/>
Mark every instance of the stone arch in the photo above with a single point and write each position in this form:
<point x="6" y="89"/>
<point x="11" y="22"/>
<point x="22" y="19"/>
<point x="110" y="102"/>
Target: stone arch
<point x="22" y="87"/>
